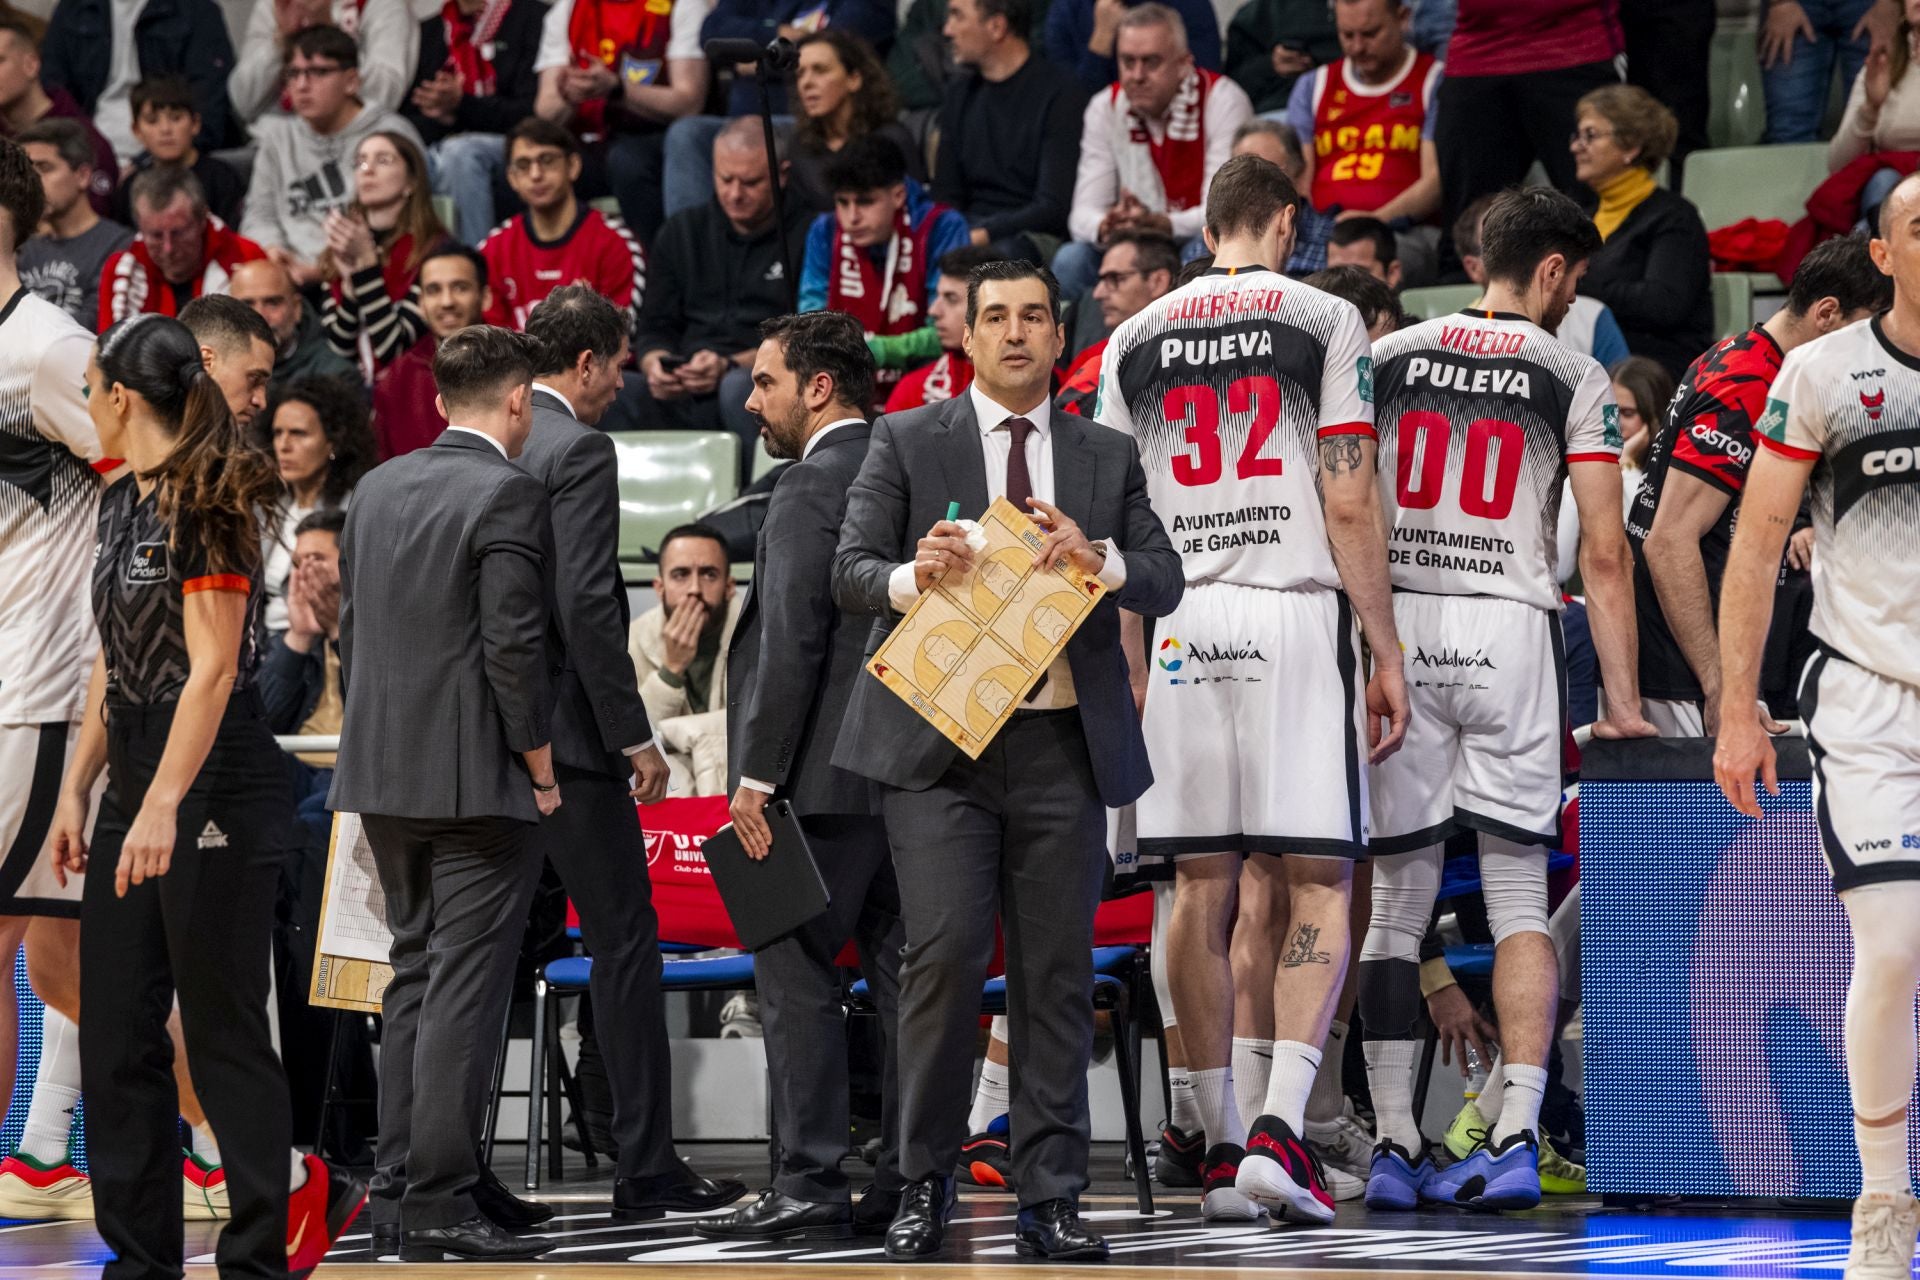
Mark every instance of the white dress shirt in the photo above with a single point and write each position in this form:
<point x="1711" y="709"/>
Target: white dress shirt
<point x="996" y="443"/>
<point x="484" y="436"/>
<point x="806" y="451"/>
<point x="571" y="411"/>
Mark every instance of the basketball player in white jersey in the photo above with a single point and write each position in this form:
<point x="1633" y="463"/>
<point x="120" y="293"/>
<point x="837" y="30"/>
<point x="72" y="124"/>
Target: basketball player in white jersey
<point x="1845" y="414"/>
<point x="1251" y="397"/>
<point x="49" y="498"/>
<point x="1483" y="414"/>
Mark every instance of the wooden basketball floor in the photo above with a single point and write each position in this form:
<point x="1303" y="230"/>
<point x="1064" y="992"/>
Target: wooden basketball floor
<point x="1566" y="1237"/>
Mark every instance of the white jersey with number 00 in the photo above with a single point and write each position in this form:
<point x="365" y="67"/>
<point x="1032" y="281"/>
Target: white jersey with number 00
<point x="1228" y="385"/>
<point x="1480" y="412"/>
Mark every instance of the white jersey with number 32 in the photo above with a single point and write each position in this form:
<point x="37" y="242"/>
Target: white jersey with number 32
<point x="1228" y="385"/>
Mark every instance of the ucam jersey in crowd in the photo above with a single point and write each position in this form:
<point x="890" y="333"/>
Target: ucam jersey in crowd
<point x="1228" y="384"/>
<point x="1851" y="401"/>
<point x="1480" y="412"/>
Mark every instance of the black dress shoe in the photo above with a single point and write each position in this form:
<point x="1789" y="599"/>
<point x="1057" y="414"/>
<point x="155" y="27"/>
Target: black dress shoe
<point x="475" y="1240"/>
<point x="780" y="1217"/>
<point x="506" y="1210"/>
<point x="920" y="1226"/>
<point x="683" y="1191"/>
<point x="386" y="1239"/>
<point x="1052" y="1230"/>
<point x="873" y="1212"/>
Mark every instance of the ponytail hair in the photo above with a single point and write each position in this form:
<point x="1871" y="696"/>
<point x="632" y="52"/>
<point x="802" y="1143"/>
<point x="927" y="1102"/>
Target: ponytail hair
<point x="213" y="483"/>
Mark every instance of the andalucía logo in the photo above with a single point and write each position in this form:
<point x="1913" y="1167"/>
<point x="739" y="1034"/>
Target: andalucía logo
<point x="1171" y="661"/>
<point x="1451" y="657"/>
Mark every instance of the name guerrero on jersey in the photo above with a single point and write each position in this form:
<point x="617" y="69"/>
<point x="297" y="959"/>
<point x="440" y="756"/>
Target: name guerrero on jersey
<point x="1480" y="412"/>
<point x="1229" y="384"/>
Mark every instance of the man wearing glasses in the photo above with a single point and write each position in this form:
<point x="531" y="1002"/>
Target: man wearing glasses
<point x="1137" y="268"/>
<point x="560" y="239"/>
<point x="179" y="254"/>
<point x="304" y="167"/>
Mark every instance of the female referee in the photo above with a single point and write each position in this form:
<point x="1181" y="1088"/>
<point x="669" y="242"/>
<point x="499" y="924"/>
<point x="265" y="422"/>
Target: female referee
<point x="184" y="896"/>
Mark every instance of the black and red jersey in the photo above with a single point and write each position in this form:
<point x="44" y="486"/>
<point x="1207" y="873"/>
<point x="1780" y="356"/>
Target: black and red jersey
<point x="1708" y="432"/>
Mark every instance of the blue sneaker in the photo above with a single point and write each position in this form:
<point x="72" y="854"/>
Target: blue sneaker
<point x="1397" y="1180"/>
<point x="1491" y="1178"/>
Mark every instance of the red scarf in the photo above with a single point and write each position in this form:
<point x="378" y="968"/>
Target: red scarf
<point x="890" y="297"/>
<point x="630" y="36"/>
<point x="470" y="45"/>
<point x="1179" y="159"/>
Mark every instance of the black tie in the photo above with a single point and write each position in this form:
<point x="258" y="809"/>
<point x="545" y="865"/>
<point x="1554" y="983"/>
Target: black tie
<point x="1019" y="483"/>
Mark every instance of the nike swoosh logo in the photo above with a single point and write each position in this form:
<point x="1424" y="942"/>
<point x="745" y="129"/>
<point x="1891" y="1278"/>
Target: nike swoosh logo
<point x="1267" y="1056"/>
<point x="300" y="1235"/>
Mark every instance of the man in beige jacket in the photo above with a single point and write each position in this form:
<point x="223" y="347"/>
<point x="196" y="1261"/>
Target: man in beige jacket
<point x="679" y="652"/>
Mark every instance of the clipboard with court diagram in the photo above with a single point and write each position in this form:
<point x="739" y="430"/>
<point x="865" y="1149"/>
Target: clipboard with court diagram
<point x="971" y="649"/>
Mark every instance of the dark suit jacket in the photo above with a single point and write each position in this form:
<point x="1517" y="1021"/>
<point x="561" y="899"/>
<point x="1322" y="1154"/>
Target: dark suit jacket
<point x="1656" y="274"/>
<point x="443" y="636"/>
<point x="597" y="712"/>
<point x="796" y="656"/>
<point x="917" y="462"/>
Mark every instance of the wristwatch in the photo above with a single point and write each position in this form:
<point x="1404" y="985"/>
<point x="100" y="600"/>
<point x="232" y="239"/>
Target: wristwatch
<point x="550" y="786"/>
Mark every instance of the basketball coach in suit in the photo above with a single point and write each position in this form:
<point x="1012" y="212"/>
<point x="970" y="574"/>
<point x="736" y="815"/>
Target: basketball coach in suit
<point x="1022" y="830"/>
<point x="794" y="663"/>
<point x="601" y="739"/>
<point x="445" y="752"/>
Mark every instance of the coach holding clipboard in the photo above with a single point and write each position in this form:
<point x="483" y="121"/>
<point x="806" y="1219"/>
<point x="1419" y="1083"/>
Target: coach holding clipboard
<point x="794" y="663"/>
<point x="1021" y="831"/>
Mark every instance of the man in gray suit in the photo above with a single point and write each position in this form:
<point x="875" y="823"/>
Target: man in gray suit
<point x="794" y="663"/>
<point x="1022" y="830"/>
<point x="444" y="751"/>
<point x="601" y="740"/>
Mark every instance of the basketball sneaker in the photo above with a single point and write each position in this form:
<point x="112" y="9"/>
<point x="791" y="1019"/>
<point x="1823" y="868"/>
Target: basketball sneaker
<point x="1222" y="1201"/>
<point x="325" y="1206"/>
<point x="1344" y="1145"/>
<point x="1468" y="1130"/>
<point x="1559" y="1176"/>
<point x="1282" y="1173"/>
<point x="1180" y="1158"/>
<point x="986" y="1160"/>
<point x="39" y="1192"/>
<point x="203" y="1190"/>
<point x="1884" y="1225"/>
<point x="1397" y="1179"/>
<point x="1492" y="1177"/>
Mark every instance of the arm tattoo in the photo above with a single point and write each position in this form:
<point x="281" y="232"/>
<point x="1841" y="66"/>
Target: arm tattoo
<point x="1340" y="453"/>
<point x="1301" y="951"/>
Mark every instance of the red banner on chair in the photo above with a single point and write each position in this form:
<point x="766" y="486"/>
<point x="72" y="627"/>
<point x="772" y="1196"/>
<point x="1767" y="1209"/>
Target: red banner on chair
<point x="684" y="896"/>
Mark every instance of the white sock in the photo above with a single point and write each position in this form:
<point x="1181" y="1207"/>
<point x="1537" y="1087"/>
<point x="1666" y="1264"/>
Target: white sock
<point x="1390" y="1080"/>
<point x="1186" y="1107"/>
<point x="297" y="1174"/>
<point x="56" y="1091"/>
<point x="1493" y="1092"/>
<point x="1328" y="1100"/>
<point x="990" y="1098"/>
<point x="1252" y="1068"/>
<point x="1525" y="1089"/>
<point x="1883" y="1157"/>
<point x="1294" y="1067"/>
<point x="1213" y="1095"/>
<point x="204" y="1146"/>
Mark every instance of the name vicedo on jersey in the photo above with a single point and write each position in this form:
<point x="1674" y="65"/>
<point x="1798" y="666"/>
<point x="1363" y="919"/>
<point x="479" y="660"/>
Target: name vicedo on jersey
<point x="1479" y="414"/>
<point x="1850" y="403"/>
<point x="1228" y="384"/>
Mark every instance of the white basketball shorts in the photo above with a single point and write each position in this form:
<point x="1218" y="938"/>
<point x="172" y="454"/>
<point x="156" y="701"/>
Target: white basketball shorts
<point x="1255" y="726"/>
<point x="1486" y="683"/>
<point x="32" y="759"/>
<point x="1864" y="733"/>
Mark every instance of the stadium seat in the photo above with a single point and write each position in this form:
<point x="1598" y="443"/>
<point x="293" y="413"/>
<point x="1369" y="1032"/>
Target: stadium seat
<point x="607" y="205"/>
<point x="550" y="1079"/>
<point x="1732" y="303"/>
<point x="668" y="478"/>
<point x="1731" y="183"/>
<point x="1440" y="300"/>
<point x="1738" y="114"/>
<point x="443" y="210"/>
<point x="763" y="461"/>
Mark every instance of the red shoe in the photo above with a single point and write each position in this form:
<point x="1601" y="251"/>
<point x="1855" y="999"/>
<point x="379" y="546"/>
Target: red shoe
<point x="36" y="1192"/>
<point x="986" y="1161"/>
<point x="1282" y="1173"/>
<point x="324" y="1206"/>
<point x="203" y="1190"/>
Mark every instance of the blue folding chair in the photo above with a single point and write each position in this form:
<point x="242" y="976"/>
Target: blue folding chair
<point x="549" y="1078"/>
<point x="1117" y="973"/>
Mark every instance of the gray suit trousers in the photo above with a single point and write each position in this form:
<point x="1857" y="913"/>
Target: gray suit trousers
<point x="458" y="893"/>
<point x="805" y="1026"/>
<point x="1020" y="832"/>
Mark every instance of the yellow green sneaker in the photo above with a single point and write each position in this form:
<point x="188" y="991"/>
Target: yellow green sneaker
<point x="1469" y="1129"/>
<point x="1560" y="1176"/>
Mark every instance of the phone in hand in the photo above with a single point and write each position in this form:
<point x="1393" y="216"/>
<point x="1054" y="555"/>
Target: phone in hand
<point x="672" y="363"/>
